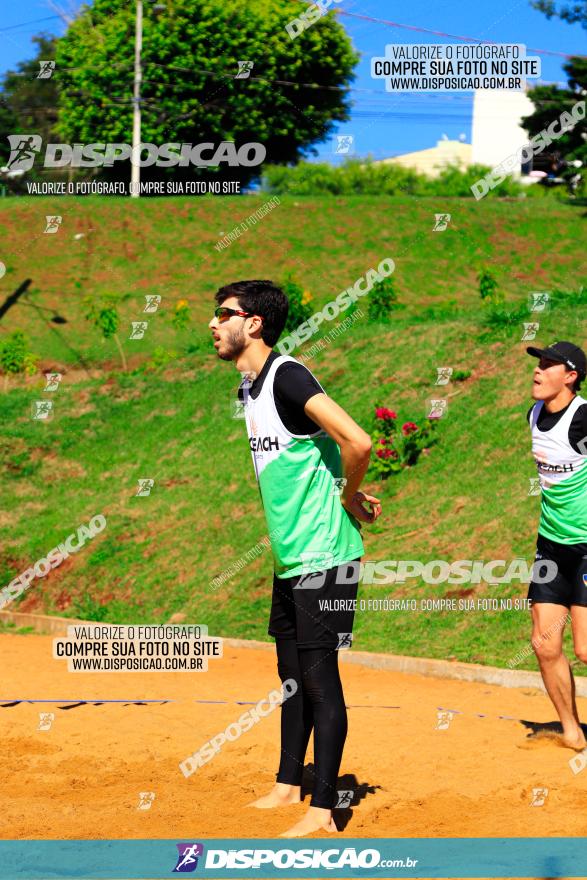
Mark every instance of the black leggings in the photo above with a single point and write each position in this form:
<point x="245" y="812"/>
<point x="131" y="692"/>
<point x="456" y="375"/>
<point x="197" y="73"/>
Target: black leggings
<point x="318" y="703"/>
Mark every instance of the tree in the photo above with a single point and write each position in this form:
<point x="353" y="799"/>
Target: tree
<point x="190" y="95"/>
<point x="572" y="12"/>
<point x="29" y="105"/>
<point x="550" y="101"/>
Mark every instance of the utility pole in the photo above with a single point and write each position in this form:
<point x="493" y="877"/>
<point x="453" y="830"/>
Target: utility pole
<point x="136" y="117"/>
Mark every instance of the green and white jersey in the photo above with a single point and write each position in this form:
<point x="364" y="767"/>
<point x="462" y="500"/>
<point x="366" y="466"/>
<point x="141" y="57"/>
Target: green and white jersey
<point x="308" y="527"/>
<point x="562" y="471"/>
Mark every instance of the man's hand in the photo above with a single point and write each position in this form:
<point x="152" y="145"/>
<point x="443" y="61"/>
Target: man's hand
<point x="355" y="505"/>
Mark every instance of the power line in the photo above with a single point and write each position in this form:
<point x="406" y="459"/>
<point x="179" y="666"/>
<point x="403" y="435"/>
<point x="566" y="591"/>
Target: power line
<point x="411" y="27"/>
<point x="13" y="27"/>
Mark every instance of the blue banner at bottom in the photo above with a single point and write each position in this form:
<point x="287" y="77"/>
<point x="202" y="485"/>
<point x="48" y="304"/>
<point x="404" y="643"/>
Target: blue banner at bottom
<point x="317" y="857"/>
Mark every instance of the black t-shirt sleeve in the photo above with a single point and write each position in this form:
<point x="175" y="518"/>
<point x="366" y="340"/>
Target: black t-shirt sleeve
<point x="578" y="430"/>
<point x="293" y="386"/>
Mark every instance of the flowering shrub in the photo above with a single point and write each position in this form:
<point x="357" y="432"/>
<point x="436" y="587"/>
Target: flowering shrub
<point x="396" y="446"/>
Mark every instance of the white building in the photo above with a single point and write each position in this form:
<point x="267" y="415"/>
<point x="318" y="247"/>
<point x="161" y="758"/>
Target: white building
<point x="496" y="131"/>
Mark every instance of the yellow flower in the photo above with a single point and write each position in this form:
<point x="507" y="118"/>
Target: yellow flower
<point x="306" y="297"/>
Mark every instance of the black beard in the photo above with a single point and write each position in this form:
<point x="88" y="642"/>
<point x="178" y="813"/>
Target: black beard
<point x="233" y="347"/>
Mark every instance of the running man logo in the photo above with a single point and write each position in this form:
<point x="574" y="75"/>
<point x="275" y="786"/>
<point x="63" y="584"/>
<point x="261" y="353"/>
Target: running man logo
<point x="437" y="408"/>
<point x="344" y="143"/>
<point x="539" y="796"/>
<point x="145" y="487"/>
<point x="23" y="149"/>
<point x="146" y="799"/>
<point x="338" y="484"/>
<point x="530" y="331"/>
<point x="538" y="301"/>
<point x="443" y="375"/>
<point x="244" y="69"/>
<point x="345" y="641"/>
<point x="139" y="328"/>
<point x="47" y="68"/>
<point x="344" y="799"/>
<point x="187" y="860"/>
<point x="46" y="719"/>
<point x="441" y="222"/>
<point x="41" y="410"/>
<point x="52" y="224"/>
<point x="238" y="408"/>
<point x="443" y="720"/>
<point x="153" y="302"/>
<point x="534" y="486"/>
<point x="53" y="380"/>
<point x="315" y="564"/>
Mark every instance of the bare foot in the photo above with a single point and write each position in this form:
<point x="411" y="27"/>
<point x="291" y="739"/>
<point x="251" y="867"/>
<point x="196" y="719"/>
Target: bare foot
<point x="281" y="795"/>
<point x="574" y="740"/>
<point x="316" y="819"/>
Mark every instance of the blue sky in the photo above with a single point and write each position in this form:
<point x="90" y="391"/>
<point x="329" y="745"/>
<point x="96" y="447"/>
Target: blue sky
<point x="382" y="124"/>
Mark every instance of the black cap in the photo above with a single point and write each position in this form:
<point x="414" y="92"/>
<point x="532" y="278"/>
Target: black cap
<point x="563" y="353"/>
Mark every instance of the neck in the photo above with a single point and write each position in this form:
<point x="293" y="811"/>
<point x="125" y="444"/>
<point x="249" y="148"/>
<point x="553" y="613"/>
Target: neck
<point x="252" y="359"/>
<point x="559" y="401"/>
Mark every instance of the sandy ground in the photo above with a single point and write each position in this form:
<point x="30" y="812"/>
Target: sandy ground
<point x="82" y="778"/>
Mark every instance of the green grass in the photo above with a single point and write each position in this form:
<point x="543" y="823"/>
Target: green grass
<point x="468" y="499"/>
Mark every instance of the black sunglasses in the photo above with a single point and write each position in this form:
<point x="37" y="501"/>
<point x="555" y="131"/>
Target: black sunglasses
<point x="223" y="313"/>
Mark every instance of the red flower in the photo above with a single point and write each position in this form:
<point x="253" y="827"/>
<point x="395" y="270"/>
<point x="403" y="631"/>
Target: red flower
<point x="409" y="428"/>
<point x="382" y="441"/>
<point x="381" y="412"/>
<point x="381" y="453"/>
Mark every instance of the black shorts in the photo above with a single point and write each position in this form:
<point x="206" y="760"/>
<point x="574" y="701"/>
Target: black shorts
<point x="318" y="609"/>
<point x="567" y="583"/>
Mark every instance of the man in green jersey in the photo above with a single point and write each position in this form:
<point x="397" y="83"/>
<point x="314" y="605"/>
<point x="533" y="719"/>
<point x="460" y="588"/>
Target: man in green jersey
<point x="309" y="458"/>
<point x="558" y="421"/>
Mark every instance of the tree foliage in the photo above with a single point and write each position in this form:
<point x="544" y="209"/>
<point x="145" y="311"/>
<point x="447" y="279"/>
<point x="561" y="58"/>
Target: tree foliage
<point x="571" y="12"/>
<point x="550" y="101"/>
<point x="190" y="94"/>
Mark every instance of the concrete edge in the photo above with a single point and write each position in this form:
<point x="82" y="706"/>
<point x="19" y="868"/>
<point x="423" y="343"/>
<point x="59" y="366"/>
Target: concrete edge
<point x="448" y="669"/>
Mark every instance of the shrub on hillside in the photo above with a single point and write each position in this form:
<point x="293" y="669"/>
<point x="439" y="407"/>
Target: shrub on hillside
<point x="382" y="301"/>
<point x="299" y="307"/>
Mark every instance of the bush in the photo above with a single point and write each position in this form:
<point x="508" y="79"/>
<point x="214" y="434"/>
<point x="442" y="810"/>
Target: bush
<point x="15" y="356"/>
<point x="365" y="177"/>
<point x="382" y="301"/>
<point x="395" y="449"/>
<point x="299" y="309"/>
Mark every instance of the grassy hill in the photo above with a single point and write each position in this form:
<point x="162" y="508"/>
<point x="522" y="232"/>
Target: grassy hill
<point x="467" y="499"/>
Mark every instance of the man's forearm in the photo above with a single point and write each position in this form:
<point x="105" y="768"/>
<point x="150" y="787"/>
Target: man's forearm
<point x="355" y="462"/>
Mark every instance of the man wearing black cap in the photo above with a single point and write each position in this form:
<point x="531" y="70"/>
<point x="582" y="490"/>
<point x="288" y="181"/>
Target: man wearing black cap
<point x="558" y="421"/>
